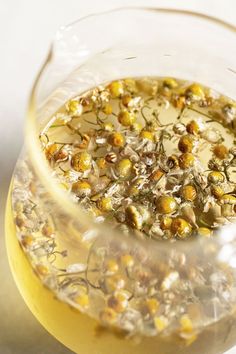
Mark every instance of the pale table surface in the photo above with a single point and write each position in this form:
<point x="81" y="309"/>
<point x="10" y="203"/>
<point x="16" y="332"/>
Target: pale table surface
<point x="26" y="28"/>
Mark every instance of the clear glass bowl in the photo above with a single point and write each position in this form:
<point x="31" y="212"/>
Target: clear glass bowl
<point x="130" y="42"/>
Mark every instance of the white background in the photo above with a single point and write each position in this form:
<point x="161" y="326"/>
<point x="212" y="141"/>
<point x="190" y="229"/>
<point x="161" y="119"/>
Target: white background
<point x="26" y="29"/>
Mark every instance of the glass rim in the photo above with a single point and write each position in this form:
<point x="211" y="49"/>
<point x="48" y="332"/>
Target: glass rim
<point x="31" y="137"/>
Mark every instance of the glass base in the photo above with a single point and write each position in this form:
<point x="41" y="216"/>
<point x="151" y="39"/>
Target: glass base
<point x="82" y="334"/>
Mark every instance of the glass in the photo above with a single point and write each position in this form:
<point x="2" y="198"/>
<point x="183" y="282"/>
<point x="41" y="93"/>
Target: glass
<point x="100" y="48"/>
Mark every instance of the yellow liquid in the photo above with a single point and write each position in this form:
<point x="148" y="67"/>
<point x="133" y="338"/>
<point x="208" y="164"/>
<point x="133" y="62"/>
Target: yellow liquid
<point x="81" y="333"/>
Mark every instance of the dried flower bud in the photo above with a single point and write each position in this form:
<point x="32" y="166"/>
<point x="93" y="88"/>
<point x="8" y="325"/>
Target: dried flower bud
<point x="111" y="157"/>
<point x="229" y="112"/>
<point x="220" y="151"/>
<point x="186" y="143"/>
<point x="124" y="168"/>
<point x="193" y="127"/>
<point x="215" y="177"/>
<point x="186" y="160"/>
<point x="116" y="89"/>
<point x="170" y="83"/>
<point x="126" y="118"/>
<point x="189" y="193"/>
<point x="81" y="188"/>
<point x="179" y="128"/>
<point x="181" y="228"/>
<point x="195" y="92"/>
<point x="81" y="161"/>
<point x="133" y="217"/>
<point x="74" y="108"/>
<point x="166" y="205"/>
<point x="173" y="161"/>
<point x="116" y="139"/>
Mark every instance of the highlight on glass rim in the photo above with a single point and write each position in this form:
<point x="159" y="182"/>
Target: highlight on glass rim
<point x="120" y="219"/>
